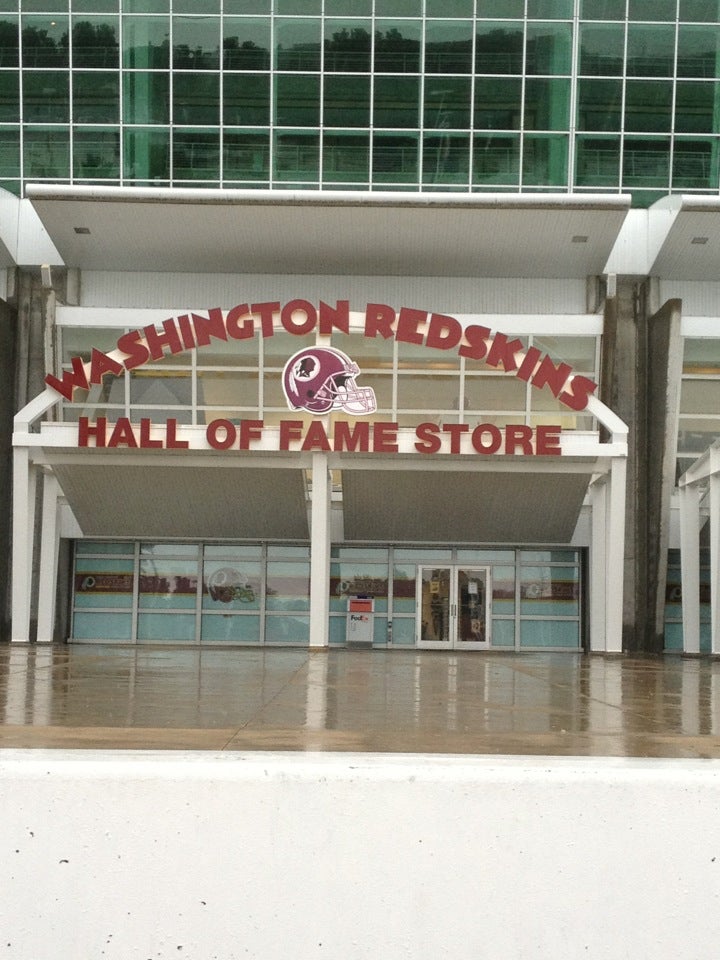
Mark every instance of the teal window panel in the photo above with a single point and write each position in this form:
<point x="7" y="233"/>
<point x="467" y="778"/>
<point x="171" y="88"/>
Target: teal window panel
<point x="146" y="6"/>
<point x="396" y="102"/>
<point x="346" y="101"/>
<point x="96" y="97"/>
<point x="247" y="6"/>
<point x="166" y="627"/>
<point x="499" y="48"/>
<point x="196" y="156"/>
<point x="673" y="636"/>
<point x="698" y="51"/>
<point x="45" y="41"/>
<point x="446" y="160"/>
<point x="95" y="6"/>
<point x="502" y="8"/>
<point x="102" y="547"/>
<point x="348" y="46"/>
<point x="9" y="42"/>
<point x="298" y="44"/>
<point x="398" y="8"/>
<point x="46" y="96"/>
<point x="545" y="160"/>
<point x="96" y="154"/>
<point x="498" y="103"/>
<point x="95" y="42"/>
<point x="502" y="633"/>
<point x="146" y="97"/>
<point x="298" y="7"/>
<point x="403" y="634"/>
<point x="549" y="556"/>
<point x="231" y="585"/>
<point x="167" y="584"/>
<point x="651" y="9"/>
<point x="695" y="164"/>
<point x="246" y="43"/>
<point x="599" y="105"/>
<point x="196" y="99"/>
<point x="103" y="582"/>
<point x="230" y="629"/>
<point x="146" y="154"/>
<point x="146" y="43"/>
<point x="358" y="578"/>
<point x="697" y="107"/>
<point x="550" y="9"/>
<point x="550" y="633"/>
<point x="449" y="8"/>
<point x="12" y="186"/>
<point x="297" y="100"/>
<point x="346" y="158"/>
<point x="196" y="6"/>
<point x="602" y="49"/>
<point x="196" y="43"/>
<point x="547" y="104"/>
<point x="288" y="586"/>
<point x="397" y="46"/>
<point x="548" y="49"/>
<point x="448" y="46"/>
<point x="496" y="159"/>
<point x="41" y="5"/>
<point x="650" y="50"/>
<point x="9" y="97"/>
<point x="338" y="630"/>
<point x="447" y="103"/>
<point x="699" y="10"/>
<point x="246" y="99"/>
<point x="287" y="629"/>
<point x="602" y="9"/>
<point x="103" y="626"/>
<point x="597" y="161"/>
<point x="550" y="591"/>
<point x="47" y="152"/>
<point x="648" y="106"/>
<point x="246" y="155"/>
<point x="646" y="161"/>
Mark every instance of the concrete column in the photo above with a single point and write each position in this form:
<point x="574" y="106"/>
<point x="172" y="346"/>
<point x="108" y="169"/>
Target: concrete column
<point x="690" y="569"/>
<point x="320" y="554"/>
<point x="50" y="544"/>
<point x="8" y="326"/>
<point x="714" y="557"/>
<point x="22" y="544"/>
<point x="598" y="565"/>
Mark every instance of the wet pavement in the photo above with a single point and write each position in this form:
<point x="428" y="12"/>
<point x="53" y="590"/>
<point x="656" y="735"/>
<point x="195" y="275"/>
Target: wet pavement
<point x="352" y="700"/>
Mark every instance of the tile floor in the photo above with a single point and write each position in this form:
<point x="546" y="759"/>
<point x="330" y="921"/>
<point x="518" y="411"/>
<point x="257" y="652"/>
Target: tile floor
<point x="355" y="700"/>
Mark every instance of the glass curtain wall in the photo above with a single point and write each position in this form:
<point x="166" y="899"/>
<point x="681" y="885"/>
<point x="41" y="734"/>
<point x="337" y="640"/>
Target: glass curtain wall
<point x="503" y="95"/>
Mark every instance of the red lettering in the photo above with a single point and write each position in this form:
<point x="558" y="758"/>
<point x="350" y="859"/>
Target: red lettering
<point x="579" y="392"/>
<point x="503" y="351"/>
<point x="299" y="327"/>
<point x="518" y="435"/>
<point x="474" y="345"/>
<point x="86" y="430"/>
<point x="235" y="329"/>
<point x="527" y="367"/>
<point x="351" y="436"/>
<point x="444" y="332"/>
<point x="547" y="441"/>
<point x="315" y="438"/>
<point x="171" y="440"/>
<point x="428" y="440"/>
<point x="379" y="319"/>
<point x="337" y="317"/>
<point x="123" y="434"/>
<point x="407" y="327"/>
<point x="186" y="331"/>
<point x="479" y="444"/>
<point x="157" y="341"/>
<point x="455" y="430"/>
<point x="551" y="376"/>
<point x="213" y="325"/>
<point x="250" y="430"/>
<point x="100" y="364"/>
<point x="137" y="353"/>
<point x="221" y="434"/>
<point x="266" y="311"/>
<point x="384" y="437"/>
<point x="290" y="430"/>
<point x="70" y="381"/>
<point x="145" y="441"/>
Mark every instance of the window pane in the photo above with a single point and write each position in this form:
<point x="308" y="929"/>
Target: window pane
<point x="648" y="106"/>
<point x="246" y="44"/>
<point x="549" y="47"/>
<point x="297" y="157"/>
<point x="447" y="103"/>
<point x="397" y="102"/>
<point x="346" y="102"/>
<point x="9" y="97"/>
<point x="346" y="157"/>
<point x="395" y="159"/>
<point x="355" y="8"/>
<point x="231" y="586"/>
<point x="398" y="8"/>
<point x="397" y="46"/>
<point x="646" y="162"/>
<point x="602" y="49"/>
<point x="599" y="104"/>
<point x="498" y="103"/>
<point x="10" y="152"/>
<point x="196" y="43"/>
<point x="496" y="159"/>
<point x="96" y="97"/>
<point x="700" y="396"/>
<point x="96" y="154"/>
<point x="448" y="47"/>
<point x="446" y="159"/>
<point x="494" y="393"/>
<point x="449" y="8"/>
<point x="95" y="42"/>
<point x="246" y="99"/>
<point x="698" y="49"/>
<point x="499" y="48"/>
<point x="103" y="582"/>
<point x="47" y="152"/>
<point x="9" y="41"/>
<point x="196" y="98"/>
<point x="545" y="160"/>
<point x="695" y="107"/>
<point x="502" y="8"/>
<point x="246" y="156"/>
<point x="147" y="154"/>
<point x="146" y="97"/>
<point x="46" y="97"/>
<point x="45" y="41"/>
<point x="288" y="585"/>
<point x="650" y="50"/>
<point x="146" y="42"/>
<point x="551" y="9"/>
<point x="196" y="155"/>
<point x="651" y="9"/>
<point x="547" y="104"/>
<point x="297" y="44"/>
<point x="167" y="584"/>
<point x="348" y="45"/>
<point x="699" y="10"/>
<point x="602" y="9"/>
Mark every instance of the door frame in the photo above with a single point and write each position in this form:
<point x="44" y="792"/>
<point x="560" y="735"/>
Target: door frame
<point x="453" y="641"/>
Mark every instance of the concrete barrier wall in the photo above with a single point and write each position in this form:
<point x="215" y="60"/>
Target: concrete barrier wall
<point x="221" y="856"/>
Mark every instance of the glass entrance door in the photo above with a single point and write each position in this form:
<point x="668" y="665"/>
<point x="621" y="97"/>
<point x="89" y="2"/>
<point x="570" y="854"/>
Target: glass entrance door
<point x="453" y="609"/>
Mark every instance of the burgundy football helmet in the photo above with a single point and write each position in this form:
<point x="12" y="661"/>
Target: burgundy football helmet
<point x="321" y="379"/>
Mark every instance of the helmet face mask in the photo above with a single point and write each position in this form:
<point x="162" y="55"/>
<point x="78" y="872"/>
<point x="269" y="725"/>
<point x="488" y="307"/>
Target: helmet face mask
<point x="321" y="379"/>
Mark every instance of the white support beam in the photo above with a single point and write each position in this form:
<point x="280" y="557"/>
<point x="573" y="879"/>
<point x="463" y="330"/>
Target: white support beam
<point x="24" y="474"/>
<point x="49" y="547"/>
<point x="320" y="553"/>
<point x="615" y="556"/>
<point x="690" y="566"/>
<point x="598" y="565"/>
<point x="715" y="556"/>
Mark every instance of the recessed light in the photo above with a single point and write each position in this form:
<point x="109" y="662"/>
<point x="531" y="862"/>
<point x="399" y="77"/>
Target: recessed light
<point x="699" y="240"/>
<point x="81" y="229"/>
<point x="579" y="238"/>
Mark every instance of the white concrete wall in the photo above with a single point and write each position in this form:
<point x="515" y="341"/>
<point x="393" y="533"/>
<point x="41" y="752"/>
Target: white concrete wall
<point x="299" y="856"/>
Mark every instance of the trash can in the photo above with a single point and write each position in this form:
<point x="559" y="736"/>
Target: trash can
<point x="360" y="622"/>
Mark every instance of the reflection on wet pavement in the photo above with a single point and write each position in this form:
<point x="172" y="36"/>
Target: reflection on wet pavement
<point x="380" y="701"/>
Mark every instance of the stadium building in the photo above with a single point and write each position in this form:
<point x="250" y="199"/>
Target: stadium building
<point x="372" y="322"/>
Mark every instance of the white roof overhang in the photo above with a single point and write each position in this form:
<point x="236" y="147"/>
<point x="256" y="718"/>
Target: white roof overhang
<point x="690" y="227"/>
<point x="306" y="232"/>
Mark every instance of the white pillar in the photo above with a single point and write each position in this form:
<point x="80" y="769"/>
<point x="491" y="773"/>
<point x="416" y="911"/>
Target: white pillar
<point x="22" y="543"/>
<point x="615" y="556"/>
<point x="690" y="566"/>
<point x="598" y="564"/>
<point x="49" y="548"/>
<point x="715" y="561"/>
<point x="320" y="553"/>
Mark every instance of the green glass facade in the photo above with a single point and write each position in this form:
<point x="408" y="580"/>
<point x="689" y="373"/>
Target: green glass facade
<point x="458" y="95"/>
